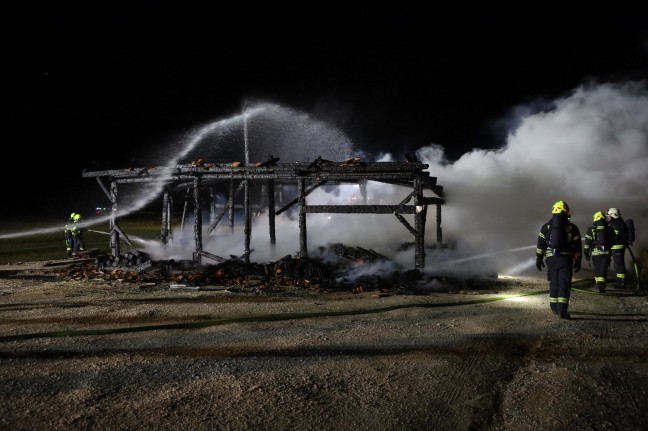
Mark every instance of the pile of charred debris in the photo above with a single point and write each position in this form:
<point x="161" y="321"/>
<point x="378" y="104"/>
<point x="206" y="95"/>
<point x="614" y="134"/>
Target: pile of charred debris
<point x="336" y="269"/>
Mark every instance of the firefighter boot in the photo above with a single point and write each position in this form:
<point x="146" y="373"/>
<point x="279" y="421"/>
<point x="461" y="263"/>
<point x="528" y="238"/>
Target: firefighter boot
<point x="601" y="287"/>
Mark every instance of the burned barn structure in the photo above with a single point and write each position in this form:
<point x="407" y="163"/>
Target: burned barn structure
<point x="266" y="181"/>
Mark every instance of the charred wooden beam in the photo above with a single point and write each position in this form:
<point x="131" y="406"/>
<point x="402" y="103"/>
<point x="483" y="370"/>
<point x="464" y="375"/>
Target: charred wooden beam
<point x="228" y="209"/>
<point x="247" y="227"/>
<point x="271" y="211"/>
<point x="361" y="209"/>
<point x="303" y="250"/>
<point x="419" y="225"/>
<point x="211" y="256"/>
<point x="294" y="201"/>
<point x="114" y="233"/>
<point x="167" y="213"/>
<point x="197" y="217"/>
<point x="406" y="224"/>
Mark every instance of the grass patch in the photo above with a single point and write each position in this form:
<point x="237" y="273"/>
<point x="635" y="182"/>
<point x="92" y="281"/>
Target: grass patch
<point x="35" y="245"/>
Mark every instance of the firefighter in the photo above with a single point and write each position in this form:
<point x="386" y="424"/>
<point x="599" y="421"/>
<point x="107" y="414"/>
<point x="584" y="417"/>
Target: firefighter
<point x="69" y="239"/>
<point x="619" y="244"/>
<point x="597" y="248"/>
<point x="559" y="243"/>
<point x="78" y="237"/>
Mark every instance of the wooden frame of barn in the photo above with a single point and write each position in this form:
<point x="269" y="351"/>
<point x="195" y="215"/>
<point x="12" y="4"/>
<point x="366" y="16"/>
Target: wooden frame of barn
<point x="197" y="177"/>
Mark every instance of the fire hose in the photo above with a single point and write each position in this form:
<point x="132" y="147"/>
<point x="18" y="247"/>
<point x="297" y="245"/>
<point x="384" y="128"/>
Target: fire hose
<point x="108" y="233"/>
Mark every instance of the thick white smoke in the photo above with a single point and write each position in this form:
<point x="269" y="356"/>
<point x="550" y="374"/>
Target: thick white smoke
<point x="590" y="150"/>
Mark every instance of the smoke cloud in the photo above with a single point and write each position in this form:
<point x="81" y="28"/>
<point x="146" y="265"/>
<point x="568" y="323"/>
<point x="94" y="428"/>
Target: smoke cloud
<point x="589" y="148"/>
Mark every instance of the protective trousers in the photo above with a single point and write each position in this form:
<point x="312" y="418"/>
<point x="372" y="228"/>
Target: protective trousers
<point x="618" y="257"/>
<point x="560" y="271"/>
<point x="601" y="263"/>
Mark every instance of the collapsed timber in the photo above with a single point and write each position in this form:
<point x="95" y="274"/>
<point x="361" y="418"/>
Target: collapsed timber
<point x="338" y="268"/>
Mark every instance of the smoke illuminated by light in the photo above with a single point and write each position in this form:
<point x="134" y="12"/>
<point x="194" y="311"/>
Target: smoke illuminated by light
<point x="590" y="149"/>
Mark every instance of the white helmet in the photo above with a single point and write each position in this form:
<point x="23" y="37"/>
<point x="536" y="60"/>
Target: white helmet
<point x="614" y="213"/>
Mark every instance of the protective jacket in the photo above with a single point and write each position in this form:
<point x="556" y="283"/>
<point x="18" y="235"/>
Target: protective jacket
<point x="620" y="234"/>
<point x="69" y="239"/>
<point x="559" y="236"/>
<point x="598" y="237"/>
<point x="619" y="245"/>
<point x="597" y="248"/>
<point x="559" y="241"/>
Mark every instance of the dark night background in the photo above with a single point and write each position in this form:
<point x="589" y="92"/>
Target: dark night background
<point x="91" y="88"/>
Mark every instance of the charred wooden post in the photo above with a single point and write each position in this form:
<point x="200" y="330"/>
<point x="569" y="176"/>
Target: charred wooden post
<point x="230" y="206"/>
<point x="439" y="230"/>
<point x="212" y="206"/>
<point x="419" y="225"/>
<point x="165" y="217"/>
<point x="197" y="218"/>
<point x="296" y="200"/>
<point x="184" y="209"/>
<point x="303" y="250"/>
<point x="114" y="233"/>
<point x="271" y="211"/>
<point x="247" y="228"/>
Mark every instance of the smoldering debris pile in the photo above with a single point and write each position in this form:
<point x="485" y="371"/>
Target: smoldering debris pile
<point x="339" y="268"/>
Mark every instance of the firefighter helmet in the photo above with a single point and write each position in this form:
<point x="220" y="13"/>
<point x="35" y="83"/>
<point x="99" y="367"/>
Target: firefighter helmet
<point x="560" y="207"/>
<point x="77" y="217"/>
<point x="599" y="216"/>
<point x="614" y="213"/>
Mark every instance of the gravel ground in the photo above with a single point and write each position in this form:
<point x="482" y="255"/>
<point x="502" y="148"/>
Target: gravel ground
<point x="97" y="354"/>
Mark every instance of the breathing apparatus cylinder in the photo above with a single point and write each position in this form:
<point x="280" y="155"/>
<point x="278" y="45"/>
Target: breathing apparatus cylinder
<point x="556" y="241"/>
<point x="631" y="230"/>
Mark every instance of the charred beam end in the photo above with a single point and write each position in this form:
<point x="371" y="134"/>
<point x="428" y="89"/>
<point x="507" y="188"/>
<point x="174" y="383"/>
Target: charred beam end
<point x="432" y="201"/>
<point x="360" y="209"/>
<point x="212" y="256"/>
<point x="406" y="224"/>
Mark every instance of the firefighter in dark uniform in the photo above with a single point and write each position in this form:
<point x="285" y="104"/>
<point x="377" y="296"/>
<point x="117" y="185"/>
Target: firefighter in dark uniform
<point x="69" y="239"/>
<point x="78" y="235"/>
<point x="597" y="248"/>
<point x="559" y="242"/>
<point x="619" y="244"/>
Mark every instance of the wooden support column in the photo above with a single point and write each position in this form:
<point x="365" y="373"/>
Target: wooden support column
<point x="212" y="206"/>
<point x="419" y="225"/>
<point x="165" y="217"/>
<point x="303" y="250"/>
<point x="271" y="211"/>
<point x="230" y="206"/>
<point x="197" y="219"/>
<point x="247" y="229"/>
<point x="184" y="209"/>
<point x="114" y="232"/>
<point x="439" y="230"/>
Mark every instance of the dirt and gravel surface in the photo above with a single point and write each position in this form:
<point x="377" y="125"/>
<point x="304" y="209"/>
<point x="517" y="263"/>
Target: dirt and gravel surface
<point x="114" y="355"/>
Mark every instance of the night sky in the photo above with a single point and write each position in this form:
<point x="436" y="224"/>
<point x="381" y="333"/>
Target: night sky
<point x="94" y="88"/>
